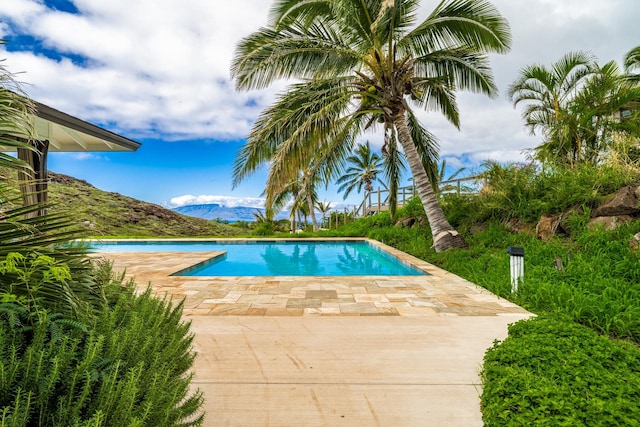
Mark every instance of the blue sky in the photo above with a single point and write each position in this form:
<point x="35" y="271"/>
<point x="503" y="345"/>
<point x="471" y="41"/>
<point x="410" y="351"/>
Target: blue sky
<point x="157" y="71"/>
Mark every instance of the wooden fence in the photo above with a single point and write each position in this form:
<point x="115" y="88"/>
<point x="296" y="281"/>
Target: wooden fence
<point x="378" y="200"/>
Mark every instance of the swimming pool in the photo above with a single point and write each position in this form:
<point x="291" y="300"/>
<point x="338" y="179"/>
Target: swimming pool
<point x="277" y="258"/>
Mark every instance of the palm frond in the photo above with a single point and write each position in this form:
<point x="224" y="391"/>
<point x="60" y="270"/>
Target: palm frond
<point x="426" y="145"/>
<point x="475" y="24"/>
<point x="310" y="52"/>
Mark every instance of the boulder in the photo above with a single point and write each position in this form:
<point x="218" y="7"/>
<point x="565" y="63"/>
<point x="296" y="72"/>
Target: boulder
<point x="405" y="223"/>
<point x="475" y="229"/>
<point x="634" y="242"/>
<point x="514" y="225"/>
<point x="547" y="226"/>
<point x="608" y="222"/>
<point x="565" y="225"/>
<point x="624" y="202"/>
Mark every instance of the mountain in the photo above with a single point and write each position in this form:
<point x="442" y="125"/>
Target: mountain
<point x="215" y="211"/>
<point x="112" y="214"/>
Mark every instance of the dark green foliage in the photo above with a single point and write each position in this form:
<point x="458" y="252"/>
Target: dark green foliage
<point x="557" y="373"/>
<point x="264" y="229"/>
<point x="596" y="287"/>
<point x="126" y="366"/>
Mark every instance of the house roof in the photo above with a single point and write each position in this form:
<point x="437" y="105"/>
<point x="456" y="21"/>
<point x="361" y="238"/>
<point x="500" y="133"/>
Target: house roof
<point x="68" y="133"/>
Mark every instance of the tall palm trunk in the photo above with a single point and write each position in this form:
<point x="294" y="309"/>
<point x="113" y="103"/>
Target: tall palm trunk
<point x="444" y="235"/>
<point x="314" y="221"/>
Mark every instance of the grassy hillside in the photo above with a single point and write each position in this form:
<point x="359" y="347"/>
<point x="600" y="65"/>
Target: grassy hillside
<point x="105" y="213"/>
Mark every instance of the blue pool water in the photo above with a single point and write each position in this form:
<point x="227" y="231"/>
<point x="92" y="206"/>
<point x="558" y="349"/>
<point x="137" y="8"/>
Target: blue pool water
<point x="279" y="258"/>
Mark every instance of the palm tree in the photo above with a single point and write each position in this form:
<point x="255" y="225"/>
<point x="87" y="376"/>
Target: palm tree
<point x="363" y="170"/>
<point x="394" y="165"/>
<point x="605" y="108"/>
<point x="548" y="93"/>
<point x="438" y="188"/>
<point x="363" y="65"/>
<point x="38" y="264"/>
<point x="324" y="208"/>
<point x="632" y="63"/>
<point x="578" y="105"/>
<point x="305" y="196"/>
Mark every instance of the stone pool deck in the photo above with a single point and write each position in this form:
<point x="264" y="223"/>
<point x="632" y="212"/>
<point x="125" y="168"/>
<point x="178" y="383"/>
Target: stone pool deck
<point x="333" y="351"/>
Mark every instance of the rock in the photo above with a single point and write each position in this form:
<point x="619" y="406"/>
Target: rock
<point x="132" y="218"/>
<point x="405" y="223"/>
<point x="475" y="229"/>
<point x="514" y="225"/>
<point x="422" y="220"/>
<point x="634" y="242"/>
<point x="608" y="222"/>
<point x="547" y="226"/>
<point x="624" y="202"/>
<point x="565" y="225"/>
<point x="88" y="225"/>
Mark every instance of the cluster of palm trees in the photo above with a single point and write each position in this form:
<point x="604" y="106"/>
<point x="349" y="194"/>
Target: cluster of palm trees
<point x="360" y="66"/>
<point x="582" y="109"/>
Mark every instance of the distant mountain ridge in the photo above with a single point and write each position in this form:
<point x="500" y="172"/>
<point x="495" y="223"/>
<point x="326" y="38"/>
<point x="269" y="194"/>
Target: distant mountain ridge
<point x="213" y="211"/>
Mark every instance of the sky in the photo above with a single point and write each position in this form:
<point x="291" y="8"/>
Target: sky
<point x="157" y="71"/>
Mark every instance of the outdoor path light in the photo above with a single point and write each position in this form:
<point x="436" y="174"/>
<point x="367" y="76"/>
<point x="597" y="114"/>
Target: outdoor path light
<point x="517" y="266"/>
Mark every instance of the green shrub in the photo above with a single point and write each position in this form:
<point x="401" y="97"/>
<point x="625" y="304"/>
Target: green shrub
<point x="264" y="229"/>
<point x="526" y="192"/>
<point x="126" y="366"/>
<point x="554" y="372"/>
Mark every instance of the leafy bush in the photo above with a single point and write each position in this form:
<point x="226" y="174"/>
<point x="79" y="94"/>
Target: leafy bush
<point x="264" y="229"/>
<point x="526" y="192"/>
<point x="126" y="366"/>
<point x="554" y="372"/>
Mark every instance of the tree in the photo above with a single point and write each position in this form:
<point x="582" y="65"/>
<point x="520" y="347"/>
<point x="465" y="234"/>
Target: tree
<point x="578" y="106"/>
<point x="364" y="167"/>
<point x="360" y="66"/>
<point x="303" y="190"/>
<point x="324" y="208"/>
<point x="394" y="165"/>
<point x="438" y="188"/>
<point x="548" y="93"/>
<point x="632" y="63"/>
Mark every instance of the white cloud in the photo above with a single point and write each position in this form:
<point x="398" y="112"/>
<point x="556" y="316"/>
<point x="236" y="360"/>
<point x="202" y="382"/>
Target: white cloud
<point x="160" y="68"/>
<point x="89" y="156"/>
<point x="204" y="199"/>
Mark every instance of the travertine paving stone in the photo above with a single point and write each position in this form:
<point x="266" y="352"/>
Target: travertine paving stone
<point x="440" y="293"/>
<point x="333" y="351"/>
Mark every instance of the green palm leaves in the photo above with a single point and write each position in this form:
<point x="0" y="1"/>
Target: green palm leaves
<point x="362" y="172"/>
<point x="362" y="66"/>
<point x="576" y="104"/>
<point x="632" y="63"/>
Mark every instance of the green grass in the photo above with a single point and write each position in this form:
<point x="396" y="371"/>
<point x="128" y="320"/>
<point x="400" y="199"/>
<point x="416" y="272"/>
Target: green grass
<point x="104" y="213"/>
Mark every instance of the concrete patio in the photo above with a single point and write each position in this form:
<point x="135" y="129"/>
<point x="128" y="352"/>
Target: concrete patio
<point x="332" y="351"/>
